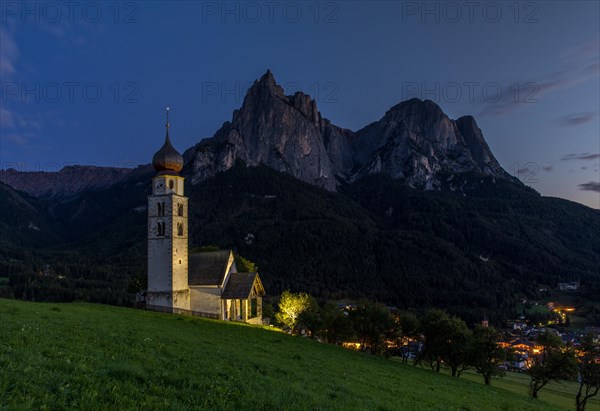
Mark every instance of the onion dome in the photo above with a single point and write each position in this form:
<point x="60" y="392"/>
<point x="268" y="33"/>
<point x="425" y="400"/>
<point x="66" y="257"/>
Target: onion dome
<point x="167" y="159"/>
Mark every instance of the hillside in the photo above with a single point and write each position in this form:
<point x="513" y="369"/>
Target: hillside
<point x="82" y="356"/>
<point x="22" y="221"/>
<point x="377" y="237"/>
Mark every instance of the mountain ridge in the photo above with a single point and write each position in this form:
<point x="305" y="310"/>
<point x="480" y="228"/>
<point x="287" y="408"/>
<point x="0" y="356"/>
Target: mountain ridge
<point x="414" y="140"/>
<point x="68" y="181"/>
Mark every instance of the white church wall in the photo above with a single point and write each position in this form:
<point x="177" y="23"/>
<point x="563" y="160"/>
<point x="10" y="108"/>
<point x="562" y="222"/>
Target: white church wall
<point x="205" y="299"/>
<point x="180" y="244"/>
<point x="159" y="267"/>
<point x="177" y="183"/>
<point x="180" y="263"/>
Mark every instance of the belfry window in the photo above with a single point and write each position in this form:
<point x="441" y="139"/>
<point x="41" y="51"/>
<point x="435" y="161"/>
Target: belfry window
<point x="160" y="209"/>
<point x="171" y="184"/>
<point x="160" y="228"/>
<point x="180" y="210"/>
<point x="179" y="229"/>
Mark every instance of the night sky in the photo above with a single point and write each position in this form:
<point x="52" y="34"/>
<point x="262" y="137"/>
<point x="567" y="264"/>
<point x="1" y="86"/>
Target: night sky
<point x="88" y="82"/>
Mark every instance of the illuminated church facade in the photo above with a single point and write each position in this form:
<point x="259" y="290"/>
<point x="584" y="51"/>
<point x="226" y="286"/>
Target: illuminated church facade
<point x="206" y="284"/>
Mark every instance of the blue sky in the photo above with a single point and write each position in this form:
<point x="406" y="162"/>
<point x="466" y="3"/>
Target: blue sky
<point x="87" y="82"/>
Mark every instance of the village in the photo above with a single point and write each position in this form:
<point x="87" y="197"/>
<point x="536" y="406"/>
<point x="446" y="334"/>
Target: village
<point x="519" y="338"/>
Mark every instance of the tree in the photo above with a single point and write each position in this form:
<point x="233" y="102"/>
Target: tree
<point x="268" y="311"/>
<point x="556" y="362"/>
<point x="245" y="266"/>
<point x="371" y="322"/>
<point x="310" y="319"/>
<point x="433" y="327"/>
<point x="455" y="350"/>
<point x="336" y="325"/>
<point x="408" y="330"/>
<point x="589" y="371"/>
<point x="290" y="307"/>
<point x="486" y="355"/>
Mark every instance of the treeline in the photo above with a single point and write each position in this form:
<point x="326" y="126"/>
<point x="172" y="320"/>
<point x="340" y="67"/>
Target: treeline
<point x="469" y="255"/>
<point x="70" y="276"/>
<point x="439" y="340"/>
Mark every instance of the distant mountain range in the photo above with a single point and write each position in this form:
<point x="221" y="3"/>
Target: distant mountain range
<point x="67" y="182"/>
<point x="412" y="210"/>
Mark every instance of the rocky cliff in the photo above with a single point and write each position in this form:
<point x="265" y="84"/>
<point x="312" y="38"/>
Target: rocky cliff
<point x="287" y="133"/>
<point x="414" y="140"/>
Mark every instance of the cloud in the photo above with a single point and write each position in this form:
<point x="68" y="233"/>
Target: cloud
<point x="9" y="53"/>
<point x="583" y="50"/>
<point x="11" y="119"/>
<point x="591" y="186"/>
<point x="584" y="156"/>
<point x="580" y="63"/>
<point x="17" y="139"/>
<point x="576" y="119"/>
<point x="7" y="118"/>
<point x="593" y="68"/>
<point x="548" y="168"/>
<point x="504" y="99"/>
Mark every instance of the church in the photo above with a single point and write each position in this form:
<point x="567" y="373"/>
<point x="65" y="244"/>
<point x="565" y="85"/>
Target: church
<point x="205" y="284"/>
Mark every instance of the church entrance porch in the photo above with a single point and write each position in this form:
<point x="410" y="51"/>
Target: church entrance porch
<point x="247" y="310"/>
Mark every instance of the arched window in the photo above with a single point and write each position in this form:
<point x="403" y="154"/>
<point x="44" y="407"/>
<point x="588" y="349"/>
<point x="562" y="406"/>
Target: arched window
<point x="160" y="228"/>
<point x="171" y="184"/>
<point x="159" y="209"/>
<point x="179" y="229"/>
<point x="180" y="210"/>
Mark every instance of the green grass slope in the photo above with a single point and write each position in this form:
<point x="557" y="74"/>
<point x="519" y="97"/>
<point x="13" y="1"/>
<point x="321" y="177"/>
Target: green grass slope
<point x="83" y="356"/>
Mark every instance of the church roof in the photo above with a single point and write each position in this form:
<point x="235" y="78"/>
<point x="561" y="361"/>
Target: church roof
<point x="240" y="286"/>
<point x="208" y="268"/>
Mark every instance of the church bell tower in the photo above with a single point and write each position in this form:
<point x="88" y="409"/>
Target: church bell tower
<point x="167" y="233"/>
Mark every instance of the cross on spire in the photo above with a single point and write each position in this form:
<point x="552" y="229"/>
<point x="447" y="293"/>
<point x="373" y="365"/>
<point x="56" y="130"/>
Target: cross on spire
<point x="168" y="117"/>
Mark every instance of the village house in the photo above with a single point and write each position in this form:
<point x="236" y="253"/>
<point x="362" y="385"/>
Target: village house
<point x="570" y="286"/>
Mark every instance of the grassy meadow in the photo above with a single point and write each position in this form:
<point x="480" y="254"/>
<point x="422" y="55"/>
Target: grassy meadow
<point x="85" y="356"/>
<point x="559" y="393"/>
